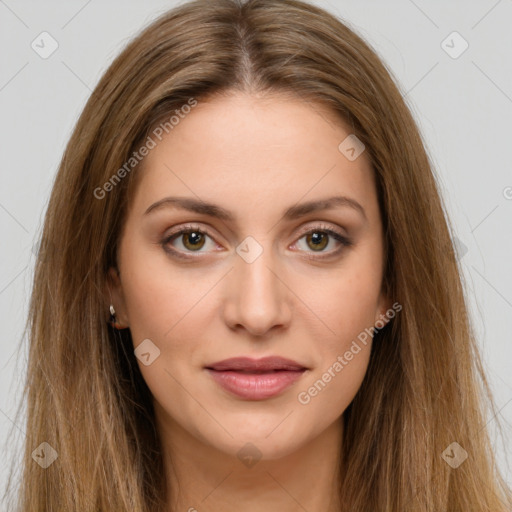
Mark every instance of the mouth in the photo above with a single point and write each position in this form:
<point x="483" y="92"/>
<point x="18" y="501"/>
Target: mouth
<point x="256" y="379"/>
<point x="247" y="364"/>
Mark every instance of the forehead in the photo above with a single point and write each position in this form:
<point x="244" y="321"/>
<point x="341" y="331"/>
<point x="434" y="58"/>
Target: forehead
<point x="230" y="128"/>
<point x="252" y="153"/>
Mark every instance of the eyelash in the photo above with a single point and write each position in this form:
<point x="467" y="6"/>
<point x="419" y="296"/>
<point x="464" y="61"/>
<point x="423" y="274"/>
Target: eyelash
<point x="343" y="240"/>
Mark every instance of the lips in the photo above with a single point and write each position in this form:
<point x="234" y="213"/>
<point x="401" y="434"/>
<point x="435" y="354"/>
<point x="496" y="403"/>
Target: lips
<point x="266" y="364"/>
<point x="256" y="379"/>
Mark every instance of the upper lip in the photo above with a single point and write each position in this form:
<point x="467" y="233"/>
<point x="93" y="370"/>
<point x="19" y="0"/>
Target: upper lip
<point x="263" y="364"/>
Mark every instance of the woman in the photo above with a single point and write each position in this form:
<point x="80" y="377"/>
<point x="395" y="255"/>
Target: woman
<point x="316" y="352"/>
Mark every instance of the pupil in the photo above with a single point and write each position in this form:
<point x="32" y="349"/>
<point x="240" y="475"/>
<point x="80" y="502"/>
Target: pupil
<point x="193" y="238"/>
<point x="318" y="239"/>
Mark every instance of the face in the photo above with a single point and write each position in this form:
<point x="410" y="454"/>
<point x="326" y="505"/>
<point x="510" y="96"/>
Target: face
<point x="258" y="275"/>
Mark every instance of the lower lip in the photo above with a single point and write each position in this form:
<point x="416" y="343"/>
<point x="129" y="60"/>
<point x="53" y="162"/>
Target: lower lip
<point x="256" y="386"/>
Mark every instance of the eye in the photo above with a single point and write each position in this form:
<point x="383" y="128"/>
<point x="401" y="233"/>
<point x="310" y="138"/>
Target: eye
<point x="318" y="239"/>
<point x="190" y="237"/>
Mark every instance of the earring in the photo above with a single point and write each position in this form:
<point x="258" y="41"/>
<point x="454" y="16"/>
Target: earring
<point x="113" y="322"/>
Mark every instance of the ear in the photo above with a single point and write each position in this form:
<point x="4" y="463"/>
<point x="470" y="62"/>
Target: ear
<point x="115" y="296"/>
<point x="382" y="313"/>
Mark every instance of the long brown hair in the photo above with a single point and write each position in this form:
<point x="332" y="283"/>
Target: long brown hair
<point x="425" y="387"/>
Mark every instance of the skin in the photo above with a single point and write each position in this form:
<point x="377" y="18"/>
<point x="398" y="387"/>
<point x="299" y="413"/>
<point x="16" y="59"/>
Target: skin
<point x="255" y="156"/>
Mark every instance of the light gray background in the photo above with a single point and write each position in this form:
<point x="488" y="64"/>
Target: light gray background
<point x="463" y="107"/>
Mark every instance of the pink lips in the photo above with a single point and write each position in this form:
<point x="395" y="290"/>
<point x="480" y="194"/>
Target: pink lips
<point x="256" y="379"/>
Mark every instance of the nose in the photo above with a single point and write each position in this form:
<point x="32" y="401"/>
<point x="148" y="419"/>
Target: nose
<point x="257" y="298"/>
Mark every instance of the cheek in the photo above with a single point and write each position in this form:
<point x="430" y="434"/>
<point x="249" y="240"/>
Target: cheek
<point x="343" y="302"/>
<point x="159" y="295"/>
<point x="328" y="393"/>
<point x="346" y="303"/>
<point x="342" y="353"/>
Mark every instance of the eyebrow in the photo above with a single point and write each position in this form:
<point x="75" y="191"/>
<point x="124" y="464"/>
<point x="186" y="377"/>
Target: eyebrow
<point x="293" y="212"/>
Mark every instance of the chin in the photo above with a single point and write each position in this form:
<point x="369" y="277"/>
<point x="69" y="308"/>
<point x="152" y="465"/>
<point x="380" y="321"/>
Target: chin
<point x="255" y="438"/>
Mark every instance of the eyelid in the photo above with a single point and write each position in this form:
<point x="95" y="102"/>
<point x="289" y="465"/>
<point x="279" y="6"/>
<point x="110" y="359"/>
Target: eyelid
<point x="333" y="232"/>
<point x="321" y="226"/>
<point x="182" y="229"/>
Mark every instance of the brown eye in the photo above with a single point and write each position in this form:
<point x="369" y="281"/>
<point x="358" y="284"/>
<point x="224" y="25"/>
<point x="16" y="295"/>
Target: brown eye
<point x="187" y="240"/>
<point x="318" y="240"/>
<point x="193" y="240"/>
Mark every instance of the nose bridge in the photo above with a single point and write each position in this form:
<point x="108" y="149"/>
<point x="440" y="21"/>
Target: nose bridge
<point x="257" y="294"/>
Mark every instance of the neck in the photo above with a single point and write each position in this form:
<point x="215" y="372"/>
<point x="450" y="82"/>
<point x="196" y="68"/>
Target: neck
<point x="204" y="479"/>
